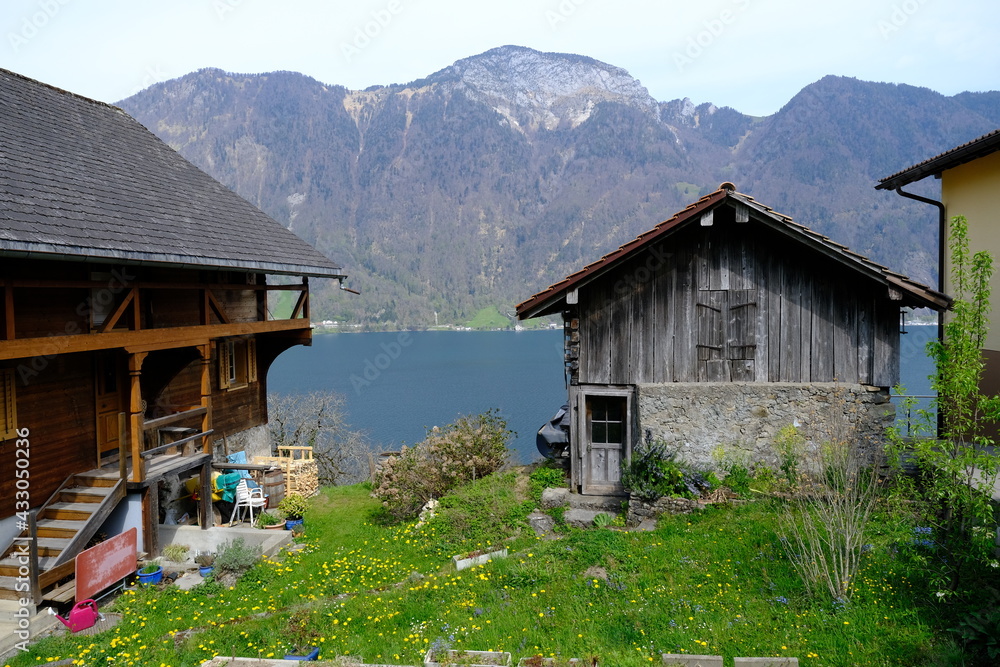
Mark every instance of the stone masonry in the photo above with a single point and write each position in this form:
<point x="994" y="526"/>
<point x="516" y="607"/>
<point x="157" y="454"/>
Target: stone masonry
<point x="694" y="418"/>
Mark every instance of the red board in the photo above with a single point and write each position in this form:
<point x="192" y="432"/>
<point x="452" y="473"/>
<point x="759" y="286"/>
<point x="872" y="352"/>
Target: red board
<point x="102" y="566"/>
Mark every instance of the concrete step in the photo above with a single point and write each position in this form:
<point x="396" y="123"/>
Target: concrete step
<point x="562" y="497"/>
<point x="581" y="518"/>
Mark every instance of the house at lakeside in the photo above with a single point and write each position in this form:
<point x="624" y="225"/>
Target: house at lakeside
<point x="719" y="327"/>
<point x="137" y="325"/>
<point x="970" y="179"/>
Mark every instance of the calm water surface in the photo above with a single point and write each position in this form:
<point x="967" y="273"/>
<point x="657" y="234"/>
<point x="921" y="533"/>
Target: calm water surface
<point x="396" y="385"/>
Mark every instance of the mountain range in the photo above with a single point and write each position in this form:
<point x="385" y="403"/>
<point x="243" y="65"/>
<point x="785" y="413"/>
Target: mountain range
<point x="484" y="182"/>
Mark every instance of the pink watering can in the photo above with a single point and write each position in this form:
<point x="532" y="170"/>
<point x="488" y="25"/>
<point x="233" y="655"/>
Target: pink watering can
<point x="82" y="616"/>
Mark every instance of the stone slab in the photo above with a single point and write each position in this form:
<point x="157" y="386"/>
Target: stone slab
<point x="684" y="660"/>
<point x="541" y="523"/>
<point x="582" y="518"/>
<point x="554" y="498"/>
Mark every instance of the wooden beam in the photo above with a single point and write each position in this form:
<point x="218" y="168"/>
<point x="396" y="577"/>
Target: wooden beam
<point x="301" y="305"/>
<point x="112" y="320"/>
<point x="216" y="307"/>
<point x="97" y="284"/>
<point x="8" y="311"/>
<point x="146" y="340"/>
<point x="151" y="520"/>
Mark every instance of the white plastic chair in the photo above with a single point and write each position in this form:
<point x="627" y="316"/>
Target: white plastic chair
<point x="249" y="499"/>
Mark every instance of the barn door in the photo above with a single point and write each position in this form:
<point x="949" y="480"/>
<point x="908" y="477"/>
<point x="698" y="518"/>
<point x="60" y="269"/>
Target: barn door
<point x="727" y="326"/>
<point x="605" y="444"/>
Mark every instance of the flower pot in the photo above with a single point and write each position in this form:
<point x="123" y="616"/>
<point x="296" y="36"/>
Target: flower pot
<point x="150" y="577"/>
<point x="463" y="562"/>
<point x="311" y="655"/>
<point x="275" y="526"/>
<point x="291" y="523"/>
<point x="205" y="570"/>
<point x="438" y="658"/>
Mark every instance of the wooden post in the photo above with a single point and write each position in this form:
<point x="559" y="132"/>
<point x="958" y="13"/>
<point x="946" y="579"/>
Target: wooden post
<point x="137" y="415"/>
<point x="36" y="591"/>
<point x="151" y="520"/>
<point x="206" y="518"/>
<point x="206" y="395"/>
<point x="122" y="446"/>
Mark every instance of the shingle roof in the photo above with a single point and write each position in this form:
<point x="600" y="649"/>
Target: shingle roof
<point x="83" y="179"/>
<point x="967" y="152"/>
<point x="548" y="300"/>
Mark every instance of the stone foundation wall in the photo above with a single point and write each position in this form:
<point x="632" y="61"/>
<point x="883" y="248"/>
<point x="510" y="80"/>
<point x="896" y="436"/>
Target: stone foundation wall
<point x="744" y="418"/>
<point x="638" y="510"/>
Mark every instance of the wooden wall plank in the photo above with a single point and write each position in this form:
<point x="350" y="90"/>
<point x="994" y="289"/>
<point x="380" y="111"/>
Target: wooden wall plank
<point x="685" y="331"/>
<point x="822" y="339"/>
<point x="663" y="292"/>
<point x="885" y="362"/>
<point x="791" y="326"/>
<point x="774" y="317"/>
<point x="866" y="338"/>
<point x="845" y="335"/>
<point x="806" y="321"/>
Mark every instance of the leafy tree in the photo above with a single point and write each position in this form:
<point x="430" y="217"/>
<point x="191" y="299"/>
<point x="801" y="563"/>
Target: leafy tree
<point x="958" y="467"/>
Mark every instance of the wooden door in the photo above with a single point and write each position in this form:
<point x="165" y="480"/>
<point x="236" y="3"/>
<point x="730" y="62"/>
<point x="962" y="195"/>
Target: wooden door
<point x="605" y="444"/>
<point x="109" y="386"/>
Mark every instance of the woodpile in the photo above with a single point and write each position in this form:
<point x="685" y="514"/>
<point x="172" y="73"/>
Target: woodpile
<point x="300" y="468"/>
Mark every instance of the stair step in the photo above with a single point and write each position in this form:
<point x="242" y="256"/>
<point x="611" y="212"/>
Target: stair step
<point x="9" y="566"/>
<point x="59" y="528"/>
<point x="85" y="494"/>
<point x="7" y="589"/>
<point x="79" y="511"/>
<point x="98" y="479"/>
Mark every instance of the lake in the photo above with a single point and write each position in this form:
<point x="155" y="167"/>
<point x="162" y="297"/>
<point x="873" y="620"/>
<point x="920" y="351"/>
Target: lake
<point x="396" y="385"/>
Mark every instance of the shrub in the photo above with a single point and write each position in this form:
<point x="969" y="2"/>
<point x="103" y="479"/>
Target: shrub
<point x="652" y="473"/>
<point x="483" y="512"/>
<point x="469" y="449"/>
<point x="293" y="506"/>
<point x="790" y="446"/>
<point x="237" y="556"/>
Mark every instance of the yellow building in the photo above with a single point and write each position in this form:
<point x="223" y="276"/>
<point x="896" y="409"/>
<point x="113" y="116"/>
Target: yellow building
<point x="970" y="179"/>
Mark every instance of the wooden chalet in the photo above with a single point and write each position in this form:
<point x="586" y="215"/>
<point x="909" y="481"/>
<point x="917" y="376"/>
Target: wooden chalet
<point x="720" y="326"/>
<point x="137" y="323"/>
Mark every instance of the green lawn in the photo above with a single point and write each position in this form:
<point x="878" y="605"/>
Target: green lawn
<point x="717" y="582"/>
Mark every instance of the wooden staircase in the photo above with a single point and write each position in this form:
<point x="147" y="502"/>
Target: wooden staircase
<point x="64" y="526"/>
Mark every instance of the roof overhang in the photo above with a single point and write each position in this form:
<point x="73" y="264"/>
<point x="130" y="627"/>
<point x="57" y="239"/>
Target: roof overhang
<point x="973" y="150"/>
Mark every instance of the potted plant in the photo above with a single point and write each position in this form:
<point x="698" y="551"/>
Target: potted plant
<point x="151" y="573"/>
<point x="206" y="564"/>
<point x="269" y="521"/>
<point x="477" y="557"/>
<point x="292" y="507"/>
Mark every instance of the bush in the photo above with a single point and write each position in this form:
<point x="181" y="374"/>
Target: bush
<point x="293" y="506"/>
<point x="652" y="473"/>
<point x="480" y="513"/>
<point x="237" y="556"/>
<point x="469" y="449"/>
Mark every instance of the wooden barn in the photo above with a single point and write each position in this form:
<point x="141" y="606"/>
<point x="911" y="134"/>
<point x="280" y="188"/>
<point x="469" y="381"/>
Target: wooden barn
<point x="719" y="327"/>
<point x="137" y="324"/>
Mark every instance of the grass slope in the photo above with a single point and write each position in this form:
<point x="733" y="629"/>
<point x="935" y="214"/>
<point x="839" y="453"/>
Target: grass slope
<point x="717" y="582"/>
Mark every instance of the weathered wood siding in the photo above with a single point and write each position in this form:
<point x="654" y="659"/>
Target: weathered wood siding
<point x="736" y="302"/>
<point x="57" y="406"/>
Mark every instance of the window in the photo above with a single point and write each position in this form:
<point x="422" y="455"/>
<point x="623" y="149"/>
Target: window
<point x="237" y="362"/>
<point x="8" y="405"/>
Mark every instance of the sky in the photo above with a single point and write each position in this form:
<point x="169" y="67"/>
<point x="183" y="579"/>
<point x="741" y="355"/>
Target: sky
<point x="752" y="55"/>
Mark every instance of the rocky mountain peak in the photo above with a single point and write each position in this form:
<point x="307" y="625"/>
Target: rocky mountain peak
<point x="544" y="90"/>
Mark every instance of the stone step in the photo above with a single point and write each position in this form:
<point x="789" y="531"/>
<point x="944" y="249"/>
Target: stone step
<point x="562" y="497"/>
<point x="580" y="518"/>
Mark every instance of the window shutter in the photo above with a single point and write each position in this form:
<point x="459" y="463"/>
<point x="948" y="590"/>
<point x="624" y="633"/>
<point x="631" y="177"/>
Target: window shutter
<point x="252" y="360"/>
<point x="222" y="348"/>
<point x="8" y="404"/>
